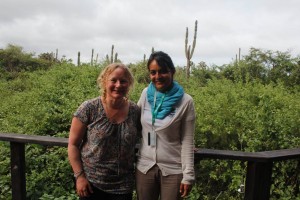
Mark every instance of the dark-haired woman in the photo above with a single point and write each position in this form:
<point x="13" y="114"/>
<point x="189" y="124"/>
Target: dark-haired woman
<point x="165" y="166"/>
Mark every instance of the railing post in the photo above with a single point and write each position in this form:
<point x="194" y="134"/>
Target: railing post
<point x="258" y="180"/>
<point x="18" y="179"/>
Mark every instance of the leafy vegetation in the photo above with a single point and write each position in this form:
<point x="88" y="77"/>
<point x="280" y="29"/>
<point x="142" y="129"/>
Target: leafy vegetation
<point x="248" y="105"/>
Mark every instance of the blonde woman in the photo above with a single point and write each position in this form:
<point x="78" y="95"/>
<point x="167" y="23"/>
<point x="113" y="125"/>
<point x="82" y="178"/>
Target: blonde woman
<point x="103" y="137"/>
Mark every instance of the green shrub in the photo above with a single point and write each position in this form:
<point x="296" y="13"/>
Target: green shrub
<point x="231" y="114"/>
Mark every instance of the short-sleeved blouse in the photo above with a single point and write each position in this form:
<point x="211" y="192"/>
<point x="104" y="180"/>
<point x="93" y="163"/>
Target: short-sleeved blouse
<point x="108" y="152"/>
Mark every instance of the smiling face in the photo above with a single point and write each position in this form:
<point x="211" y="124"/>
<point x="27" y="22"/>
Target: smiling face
<point x="161" y="77"/>
<point x="117" y="84"/>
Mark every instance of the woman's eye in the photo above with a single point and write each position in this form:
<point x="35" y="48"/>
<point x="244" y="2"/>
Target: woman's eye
<point x="153" y="72"/>
<point x="161" y="71"/>
<point x="123" y="81"/>
<point x="120" y="81"/>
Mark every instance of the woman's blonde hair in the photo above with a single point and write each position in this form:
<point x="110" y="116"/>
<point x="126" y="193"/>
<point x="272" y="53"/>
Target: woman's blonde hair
<point x="102" y="78"/>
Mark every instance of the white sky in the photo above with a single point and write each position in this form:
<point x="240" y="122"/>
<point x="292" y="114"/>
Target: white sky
<point x="135" y="26"/>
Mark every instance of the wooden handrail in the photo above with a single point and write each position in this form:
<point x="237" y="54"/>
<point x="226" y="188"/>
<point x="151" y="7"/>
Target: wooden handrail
<point x="264" y="156"/>
<point x="34" y="139"/>
<point x="258" y="177"/>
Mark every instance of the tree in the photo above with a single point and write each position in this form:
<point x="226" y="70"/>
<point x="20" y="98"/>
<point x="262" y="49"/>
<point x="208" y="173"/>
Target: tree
<point x="265" y="66"/>
<point x="14" y="59"/>
<point x="273" y="66"/>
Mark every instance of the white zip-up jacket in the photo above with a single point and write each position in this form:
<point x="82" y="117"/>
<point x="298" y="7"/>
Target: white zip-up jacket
<point x="174" y="150"/>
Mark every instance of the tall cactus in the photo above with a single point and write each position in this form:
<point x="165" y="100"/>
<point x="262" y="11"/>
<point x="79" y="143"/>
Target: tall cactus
<point x="107" y="58"/>
<point x="112" y="59"/>
<point x="116" y="57"/>
<point x="188" y="51"/>
<point x="96" y="59"/>
<point x="238" y="58"/>
<point x="78" y="59"/>
<point x="56" y="55"/>
<point x="112" y="54"/>
<point x="92" y="58"/>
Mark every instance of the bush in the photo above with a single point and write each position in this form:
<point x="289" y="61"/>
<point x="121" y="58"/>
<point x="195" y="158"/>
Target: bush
<point x="245" y="115"/>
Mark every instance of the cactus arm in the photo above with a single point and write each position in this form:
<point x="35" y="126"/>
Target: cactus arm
<point x="195" y="38"/>
<point x="186" y="42"/>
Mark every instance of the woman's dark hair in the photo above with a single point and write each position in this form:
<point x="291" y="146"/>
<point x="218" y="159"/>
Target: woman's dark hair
<point x="163" y="60"/>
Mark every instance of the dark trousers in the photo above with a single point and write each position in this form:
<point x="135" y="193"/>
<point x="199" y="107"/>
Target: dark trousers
<point x="101" y="195"/>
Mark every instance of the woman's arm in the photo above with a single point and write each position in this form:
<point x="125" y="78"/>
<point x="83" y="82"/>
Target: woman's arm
<point x="77" y="133"/>
<point x="187" y="150"/>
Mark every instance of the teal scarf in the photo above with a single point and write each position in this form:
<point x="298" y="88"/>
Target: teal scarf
<point x="167" y="100"/>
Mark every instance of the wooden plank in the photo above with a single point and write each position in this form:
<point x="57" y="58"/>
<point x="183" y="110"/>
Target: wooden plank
<point x="34" y="139"/>
<point x="18" y="178"/>
<point x="264" y="156"/>
<point x="228" y="155"/>
<point x="282" y="154"/>
<point x="258" y="181"/>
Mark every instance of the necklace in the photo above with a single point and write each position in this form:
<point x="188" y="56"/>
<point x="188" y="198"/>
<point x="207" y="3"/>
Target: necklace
<point x="116" y="113"/>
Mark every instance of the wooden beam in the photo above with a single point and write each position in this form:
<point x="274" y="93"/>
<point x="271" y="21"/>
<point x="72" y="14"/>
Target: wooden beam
<point x="34" y="139"/>
<point x="258" y="181"/>
<point x="18" y="179"/>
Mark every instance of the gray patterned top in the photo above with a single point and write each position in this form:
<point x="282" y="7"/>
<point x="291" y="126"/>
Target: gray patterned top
<point x="108" y="152"/>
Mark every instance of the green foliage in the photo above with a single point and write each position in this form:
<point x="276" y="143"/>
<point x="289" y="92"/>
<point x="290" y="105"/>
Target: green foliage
<point x="265" y="67"/>
<point x="202" y="73"/>
<point x="248" y="106"/>
<point x="42" y="102"/>
<point x="5" y="180"/>
<point x="48" y="172"/>
<point x="286" y="175"/>
<point x="141" y="77"/>
<point x="14" y="59"/>
<point x="250" y="116"/>
<point x="140" y="72"/>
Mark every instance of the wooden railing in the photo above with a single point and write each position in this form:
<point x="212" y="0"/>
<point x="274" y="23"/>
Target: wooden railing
<point x="258" y="177"/>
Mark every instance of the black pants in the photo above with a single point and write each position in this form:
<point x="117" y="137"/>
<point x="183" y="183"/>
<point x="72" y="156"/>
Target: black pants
<point x="101" y="195"/>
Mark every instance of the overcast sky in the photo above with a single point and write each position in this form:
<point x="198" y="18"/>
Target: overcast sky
<point x="135" y="26"/>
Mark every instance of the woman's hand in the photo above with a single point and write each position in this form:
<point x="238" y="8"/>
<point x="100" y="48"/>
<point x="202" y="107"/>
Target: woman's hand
<point x="185" y="190"/>
<point x="77" y="132"/>
<point x="83" y="187"/>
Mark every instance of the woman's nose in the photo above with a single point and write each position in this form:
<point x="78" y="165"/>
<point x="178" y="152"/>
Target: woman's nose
<point x="118" y="84"/>
<point x="157" y="75"/>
